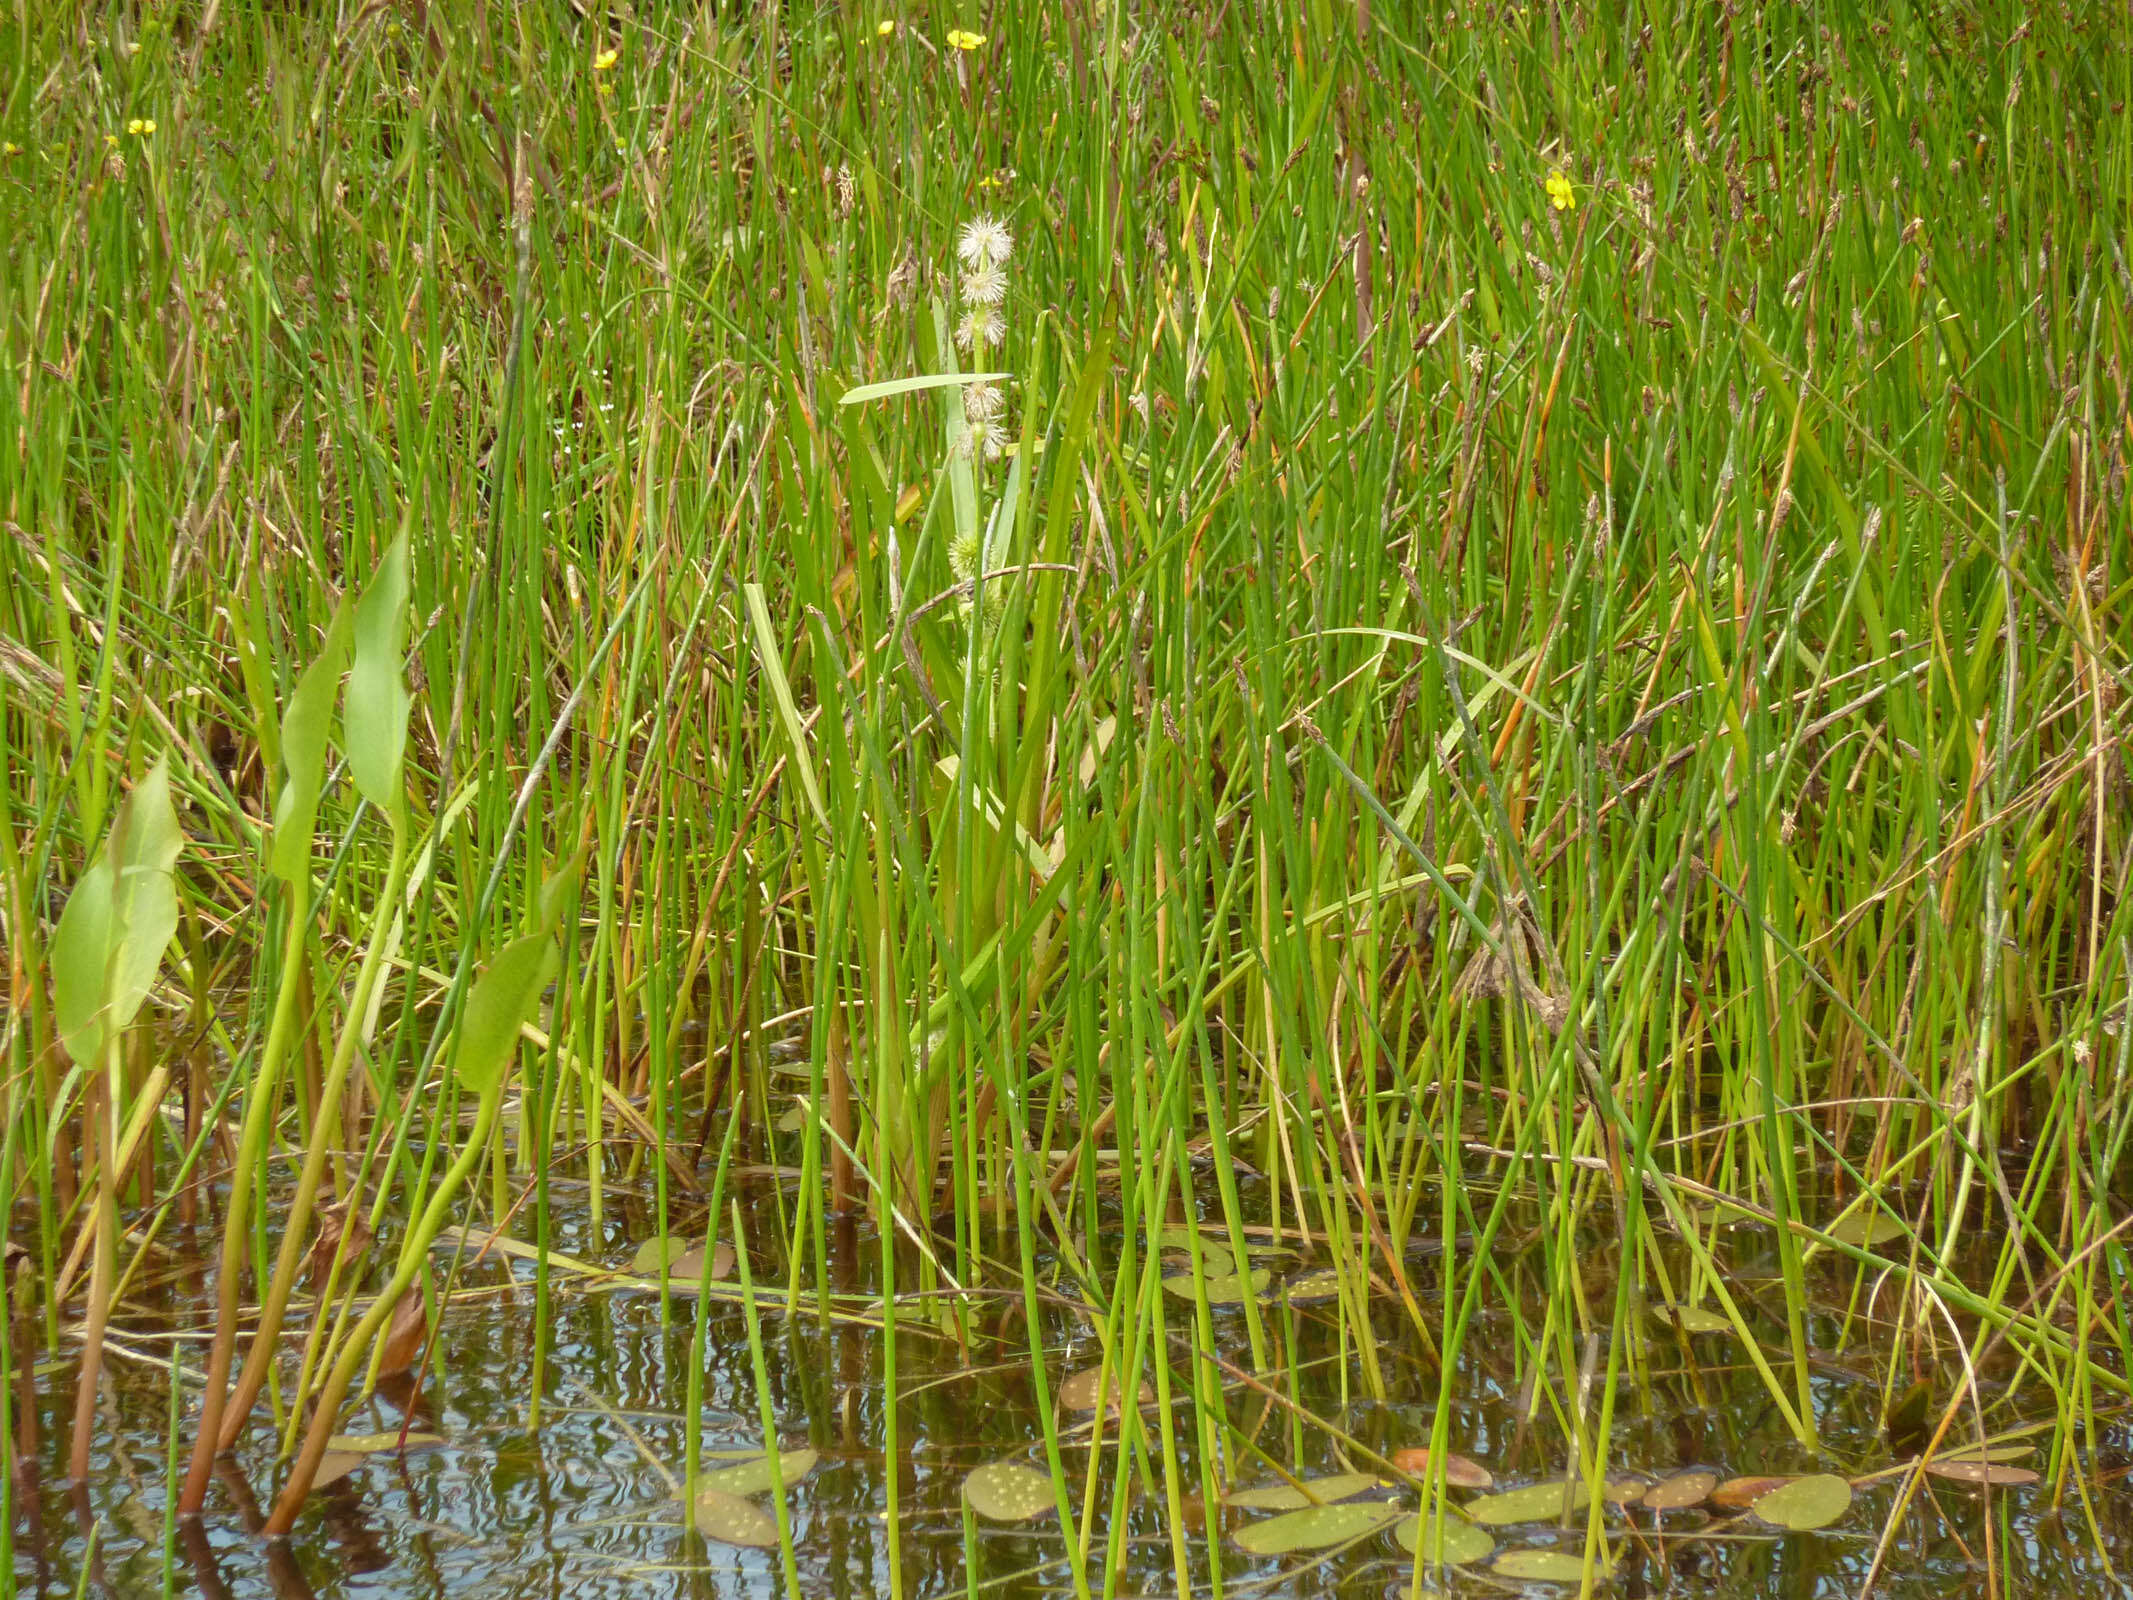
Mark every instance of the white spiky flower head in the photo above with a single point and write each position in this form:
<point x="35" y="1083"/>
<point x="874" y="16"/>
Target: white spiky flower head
<point x="984" y="286"/>
<point x="985" y="242"/>
<point x="979" y="326"/>
<point x="983" y="402"/>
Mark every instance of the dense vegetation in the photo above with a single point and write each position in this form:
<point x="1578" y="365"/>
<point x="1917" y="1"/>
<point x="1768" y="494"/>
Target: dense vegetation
<point x="1537" y="595"/>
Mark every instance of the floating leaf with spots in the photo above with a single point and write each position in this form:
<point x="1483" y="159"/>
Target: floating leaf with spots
<point x="1971" y="1470"/>
<point x="1312" y="1491"/>
<point x="752" y="1476"/>
<point x="1078" y="1392"/>
<point x="1450" y="1542"/>
<point x="1547" y="1566"/>
<point x="1536" y="1502"/>
<point x="1461" y="1472"/>
<point x="1680" y="1491"/>
<point x="1009" y="1491"/>
<point x="1806" y="1503"/>
<point x="1316" y="1527"/>
<point x="730" y="1519"/>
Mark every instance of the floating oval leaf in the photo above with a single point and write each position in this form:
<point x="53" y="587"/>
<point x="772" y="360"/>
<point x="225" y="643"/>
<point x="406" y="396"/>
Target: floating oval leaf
<point x="1866" y="1229"/>
<point x="1008" y="1491"/>
<point x="1623" y="1489"/>
<point x="1680" y="1491"/>
<point x="1316" y="1527"/>
<point x="1459" y="1471"/>
<point x="753" y="1475"/>
<point x="1311" y="1287"/>
<point x="1537" y="1502"/>
<point x="1452" y="1542"/>
<point x="1231" y="1290"/>
<point x="1545" y="1566"/>
<point x="1078" y="1392"/>
<point x="1738" y="1494"/>
<point x="1696" y="1319"/>
<point x="686" y="1270"/>
<point x="731" y="1520"/>
<point x="1975" y="1471"/>
<point x="1313" y="1491"/>
<point x="1806" y="1503"/>
<point x="370" y="1444"/>
<point x="658" y="1251"/>
<point x="335" y="1465"/>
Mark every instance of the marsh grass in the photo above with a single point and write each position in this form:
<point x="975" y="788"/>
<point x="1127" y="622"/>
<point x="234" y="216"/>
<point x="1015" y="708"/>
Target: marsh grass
<point x="1453" y="701"/>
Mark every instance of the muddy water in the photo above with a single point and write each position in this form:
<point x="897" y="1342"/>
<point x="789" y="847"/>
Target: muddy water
<point x="584" y="1506"/>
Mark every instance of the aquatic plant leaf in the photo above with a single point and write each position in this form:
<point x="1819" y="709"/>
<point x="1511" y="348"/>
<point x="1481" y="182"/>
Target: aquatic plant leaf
<point x="499" y="1003"/>
<point x="374" y="714"/>
<point x="1623" y="1489"/>
<point x="1217" y="1260"/>
<point x="686" y="1271"/>
<point x="1806" y="1503"/>
<point x="335" y="1465"/>
<point x="1545" y="1566"/>
<point x="1451" y="1542"/>
<point x="118" y="922"/>
<point x="1322" y="1284"/>
<point x="1009" y="1491"/>
<point x="729" y="1519"/>
<point x="1866" y="1229"/>
<point x="1536" y="1502"/>
<point x="370" y="1444"/>
<point x="405" y="1335"/>
<point x="1978" y="1472"/>
<point x="752" y="1476"/>
<point x="1989" y="1452"/>
<point x="304" y="727"/>
<point x="1230" y="1290"/>
<point x="1312" y="1491"/>
<point x="1904" y="1425"/>
<point x="1078" y="1392"/>
<point x="1696" y="1319"/>
<point x="1462" y="1472"/>
<point x="1680" y="1491"/>
<point x="1316" y="1527"/>
<point x="658" y="1251"/>
<point x="1738" y="1494"/>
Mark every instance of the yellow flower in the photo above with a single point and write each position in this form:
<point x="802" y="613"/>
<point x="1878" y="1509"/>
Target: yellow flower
<point x="1560" y="194"/>
<point x="604" y="60"/>
<point x="141" y="127"/>
<point x="112" y="140"/>
<point x="8" y="147"/>
<point x="964" y="39"/>
<point x="885" y="27"/>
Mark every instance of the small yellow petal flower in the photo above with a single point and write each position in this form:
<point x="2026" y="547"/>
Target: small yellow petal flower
<point x="112" y="140"/>
<point x="1560" y="194"/>
<point x="605" y="59"/>
<point x="885" y="27"/>
<point x="8" y="147"/>
<point x="964" y="39"/>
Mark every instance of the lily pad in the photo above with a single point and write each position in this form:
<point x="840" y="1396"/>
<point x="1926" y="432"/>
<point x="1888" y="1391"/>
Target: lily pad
<point x="1696" y="1319"/>
<point x="1461" y="1472"/>
<point x="1453" y="1542"/>
<point x="1290" y="1497"/>
<point x="1310" y="1287"/>
<point x="732" y="1520"/>
<point x="687" y="1269"/>
<point x="1231" y="1290"/>
<point x="1738" y="1494"/>
<point x="1865" y="1229"/>
<point x="1078" y="1392"/>
<point x="1316" y="1527"/>
<point x="1974" y="1471"/>
<point x="1546" y="1566"/>
<point x="1680" y="1491"/>
<point x="1624" y="1489"/>
<point x="1009" y="1491"/>
<point x="752" y="1476"/>
<point x="658" y="1251"/>
<point x="1536" y="1502"/>
<point x="1806" y="1503"/>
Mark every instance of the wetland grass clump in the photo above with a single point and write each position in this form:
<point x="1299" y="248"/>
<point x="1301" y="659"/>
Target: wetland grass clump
<point x="1106" y="797"/>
